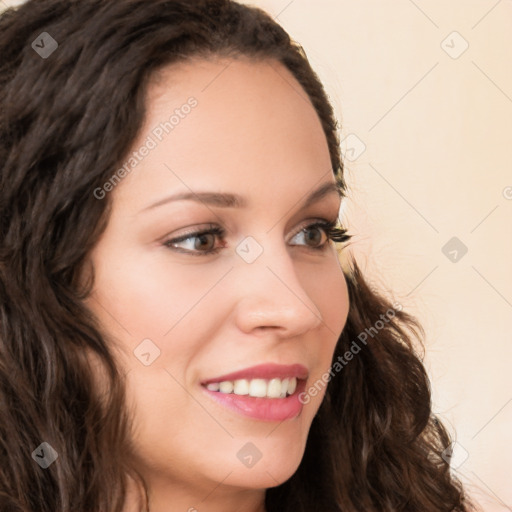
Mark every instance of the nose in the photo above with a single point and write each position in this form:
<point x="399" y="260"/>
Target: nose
<point x="272" y="295"/>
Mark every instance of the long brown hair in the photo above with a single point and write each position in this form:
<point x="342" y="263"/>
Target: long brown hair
<point x="67" y="120"/>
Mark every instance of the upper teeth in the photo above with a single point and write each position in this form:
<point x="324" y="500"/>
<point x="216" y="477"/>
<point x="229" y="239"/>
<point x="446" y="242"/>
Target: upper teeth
<point x="273" y="388"/>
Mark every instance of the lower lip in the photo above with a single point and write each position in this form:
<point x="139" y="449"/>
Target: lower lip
<point x="265" y="409"/>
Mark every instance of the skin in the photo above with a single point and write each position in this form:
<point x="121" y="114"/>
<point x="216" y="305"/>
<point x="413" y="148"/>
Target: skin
<point x="254" y="133"/>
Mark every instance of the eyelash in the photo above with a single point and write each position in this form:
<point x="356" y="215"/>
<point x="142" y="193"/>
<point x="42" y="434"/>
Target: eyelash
<point x="337" y="235"/>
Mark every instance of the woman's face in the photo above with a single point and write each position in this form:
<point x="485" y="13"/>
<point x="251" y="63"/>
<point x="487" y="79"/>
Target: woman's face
<point x="184" y="317"/>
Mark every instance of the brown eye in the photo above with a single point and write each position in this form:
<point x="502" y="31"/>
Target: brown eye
<point x="205" y="241"/>
<point x="315" y="235"/>
<point x="197" y="243"/>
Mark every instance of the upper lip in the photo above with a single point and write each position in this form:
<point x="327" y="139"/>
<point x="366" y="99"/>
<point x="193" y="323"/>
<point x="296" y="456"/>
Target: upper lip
<point x="264" y="371"/>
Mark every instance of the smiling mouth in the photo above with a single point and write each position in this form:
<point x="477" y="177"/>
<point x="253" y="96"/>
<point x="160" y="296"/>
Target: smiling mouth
<point x="258" y="388"/>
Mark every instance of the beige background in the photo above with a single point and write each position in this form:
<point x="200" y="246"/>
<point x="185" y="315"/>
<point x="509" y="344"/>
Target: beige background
<point x="428" y="158"/>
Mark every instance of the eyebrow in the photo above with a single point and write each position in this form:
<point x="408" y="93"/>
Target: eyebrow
<point x="227" y="200"/>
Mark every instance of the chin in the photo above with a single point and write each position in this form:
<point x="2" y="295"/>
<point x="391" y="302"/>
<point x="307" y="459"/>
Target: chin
<point x="274" y="467"/>
<point x="262" y="477"/>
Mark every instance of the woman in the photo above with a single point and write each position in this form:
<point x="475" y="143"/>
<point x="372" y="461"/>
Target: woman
<point x="142" y="371"/>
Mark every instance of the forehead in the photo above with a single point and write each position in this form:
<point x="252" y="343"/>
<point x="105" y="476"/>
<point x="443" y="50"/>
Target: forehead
<point x="229" y="122"/>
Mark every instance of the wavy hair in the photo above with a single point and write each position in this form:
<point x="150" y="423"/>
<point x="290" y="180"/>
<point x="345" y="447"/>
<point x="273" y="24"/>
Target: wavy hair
<point x="66" y="122"/>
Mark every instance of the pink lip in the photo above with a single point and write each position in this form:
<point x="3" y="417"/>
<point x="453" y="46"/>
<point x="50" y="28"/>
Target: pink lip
<point x="266" y="409"/>
<point x="264" y="371"/>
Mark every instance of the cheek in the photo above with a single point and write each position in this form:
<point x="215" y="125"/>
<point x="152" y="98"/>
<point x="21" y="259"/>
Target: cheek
<point x="328" y="289"/>
<point x="139" y="297"/>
